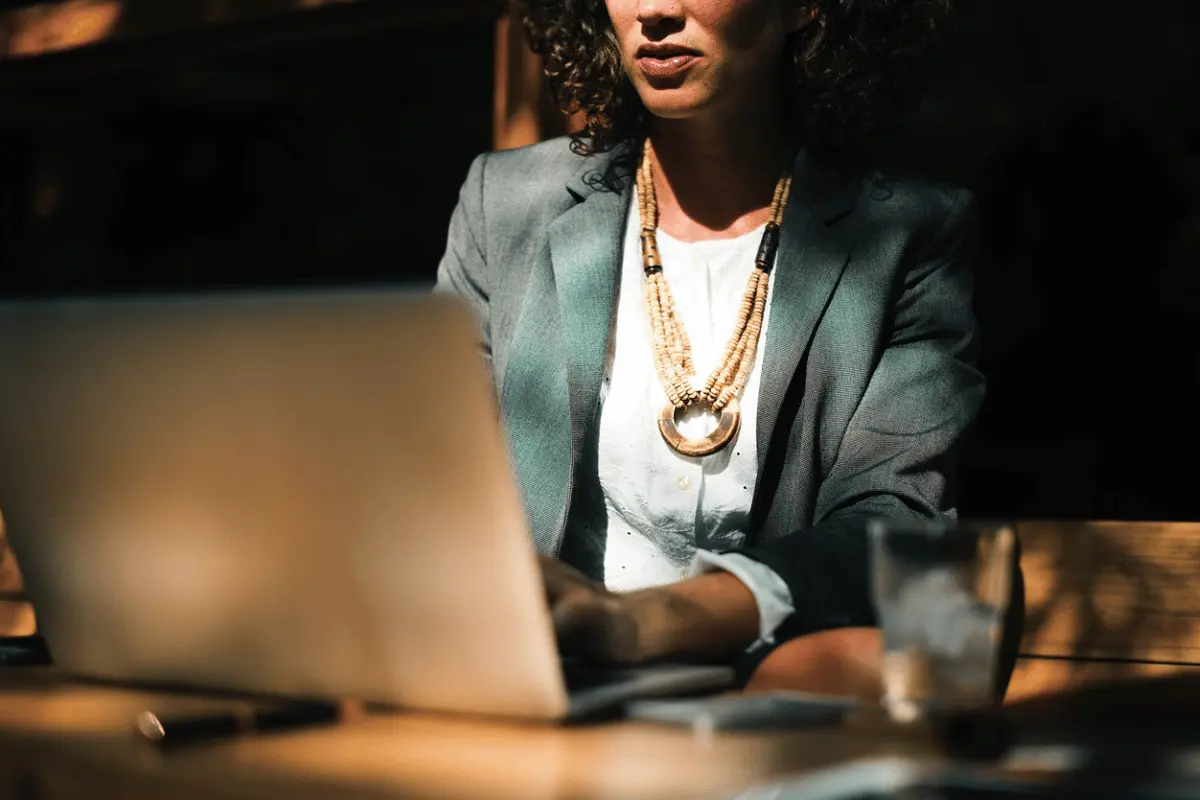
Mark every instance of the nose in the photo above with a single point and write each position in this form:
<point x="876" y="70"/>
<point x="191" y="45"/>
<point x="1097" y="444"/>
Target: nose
<point x="659" y="12"/>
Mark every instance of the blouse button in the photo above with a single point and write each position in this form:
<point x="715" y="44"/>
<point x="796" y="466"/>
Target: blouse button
<point x="683" y="483"/>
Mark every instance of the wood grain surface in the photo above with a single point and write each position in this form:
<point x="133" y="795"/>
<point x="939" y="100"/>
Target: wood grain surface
<point x="1112" y="590"/>
<point x="71" y="25"/>
<point x="68" y="738"/>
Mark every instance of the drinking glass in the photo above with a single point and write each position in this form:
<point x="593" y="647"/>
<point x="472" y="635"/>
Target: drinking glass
<point x="941" y="591"/>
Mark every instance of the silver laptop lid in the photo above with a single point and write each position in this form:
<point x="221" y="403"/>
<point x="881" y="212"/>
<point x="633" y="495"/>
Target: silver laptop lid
<point x="302" y="494"/>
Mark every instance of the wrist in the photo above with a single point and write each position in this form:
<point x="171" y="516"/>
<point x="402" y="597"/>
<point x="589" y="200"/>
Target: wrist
<point x="658" y="623"/>
<point x="711" y="617"/>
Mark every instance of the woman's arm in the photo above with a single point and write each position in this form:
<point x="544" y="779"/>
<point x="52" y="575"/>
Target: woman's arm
<point x="712" y="617"/>
<point x="463" y="269"/>
<point x="897" y="457"/>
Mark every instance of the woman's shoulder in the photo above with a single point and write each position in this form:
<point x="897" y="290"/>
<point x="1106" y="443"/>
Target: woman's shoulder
<point x="548" y="156"/>
<point x="924" y="207"/>
<point x="513" y="193"/>
<point x="881" y="203"/>
<point x="536" y="172"/>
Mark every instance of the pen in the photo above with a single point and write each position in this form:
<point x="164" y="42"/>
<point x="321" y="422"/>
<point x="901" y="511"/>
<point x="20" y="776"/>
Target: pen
<point x="170" y="732"/>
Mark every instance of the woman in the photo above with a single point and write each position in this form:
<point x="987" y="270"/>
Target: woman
<point x="720" y="347"/>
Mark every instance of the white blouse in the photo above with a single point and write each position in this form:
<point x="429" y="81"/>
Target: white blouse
<point x="658" y="502"/>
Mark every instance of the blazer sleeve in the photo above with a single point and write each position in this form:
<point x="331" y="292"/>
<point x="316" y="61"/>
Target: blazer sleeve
<point x="897" y="457"/>
<point x="463" y="268"/>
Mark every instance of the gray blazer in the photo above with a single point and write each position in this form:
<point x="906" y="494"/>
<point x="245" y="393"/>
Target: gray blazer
<point x="867" y="383"/>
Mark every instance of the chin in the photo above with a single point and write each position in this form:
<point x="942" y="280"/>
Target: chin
<point x="673" y="103"/>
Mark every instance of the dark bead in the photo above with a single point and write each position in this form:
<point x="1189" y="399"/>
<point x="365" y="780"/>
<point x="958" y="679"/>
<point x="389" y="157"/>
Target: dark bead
<point x="649" y="251"/>
<point x="766" y="250"/>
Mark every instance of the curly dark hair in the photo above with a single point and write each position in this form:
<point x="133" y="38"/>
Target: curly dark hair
<point x="852" y="68"/>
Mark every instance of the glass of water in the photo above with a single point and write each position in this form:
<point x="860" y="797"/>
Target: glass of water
<point x="941" y="592"/>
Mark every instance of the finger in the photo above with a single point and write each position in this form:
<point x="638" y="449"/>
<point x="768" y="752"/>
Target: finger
<point x="560" y="578"/>
<point x="570" y="611"/>
<point x="551" y="581"/>
<point x="579" y="624"/>
<point x="566" y="572"/>
<point x="555" y="581"/>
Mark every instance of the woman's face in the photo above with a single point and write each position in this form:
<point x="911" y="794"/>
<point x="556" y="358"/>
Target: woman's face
<point x="694" y="56"/>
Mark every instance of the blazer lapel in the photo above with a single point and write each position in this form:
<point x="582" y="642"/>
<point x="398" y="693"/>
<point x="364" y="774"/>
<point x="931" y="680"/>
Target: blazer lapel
<point x="551" y="388"/>
<point x="808" y="266"/>
<point x="552" y="385"/>
<point x="586" y="246"/>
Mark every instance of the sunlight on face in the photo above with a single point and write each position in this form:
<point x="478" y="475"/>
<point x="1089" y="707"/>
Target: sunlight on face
<point x="686" y="57"/>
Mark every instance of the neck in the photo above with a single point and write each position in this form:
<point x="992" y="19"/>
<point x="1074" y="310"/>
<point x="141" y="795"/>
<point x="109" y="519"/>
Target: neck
<point x="715" y="178"/>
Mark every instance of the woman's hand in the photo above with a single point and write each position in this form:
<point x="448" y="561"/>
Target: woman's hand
<point x="590" y="621"/>
<point x="706" y="618"/>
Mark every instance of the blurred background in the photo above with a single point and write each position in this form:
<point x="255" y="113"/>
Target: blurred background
<point x="194" y="144"/>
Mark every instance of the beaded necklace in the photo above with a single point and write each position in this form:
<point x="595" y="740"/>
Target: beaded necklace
<point x="672" y="349"/>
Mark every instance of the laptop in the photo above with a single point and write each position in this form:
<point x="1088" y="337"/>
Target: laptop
<point x="300" y="494"/>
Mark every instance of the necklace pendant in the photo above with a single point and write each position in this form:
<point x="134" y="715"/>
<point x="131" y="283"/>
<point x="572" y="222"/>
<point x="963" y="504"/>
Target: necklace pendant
<point x="728" y="424"/>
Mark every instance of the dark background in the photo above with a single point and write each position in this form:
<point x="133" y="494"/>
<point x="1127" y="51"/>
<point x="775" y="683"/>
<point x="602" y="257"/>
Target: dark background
<point x="316" y="161"/>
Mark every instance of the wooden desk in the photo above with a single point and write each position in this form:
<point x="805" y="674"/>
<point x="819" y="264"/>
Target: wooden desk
<point x="1107" y="600"/>
<point x="1104" y="600"/>
<point x="62" y="740"/>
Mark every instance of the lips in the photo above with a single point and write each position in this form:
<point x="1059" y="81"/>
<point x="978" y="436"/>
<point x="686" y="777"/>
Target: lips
<point x="664" y="61"/>
<point x="663" y="50"/>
